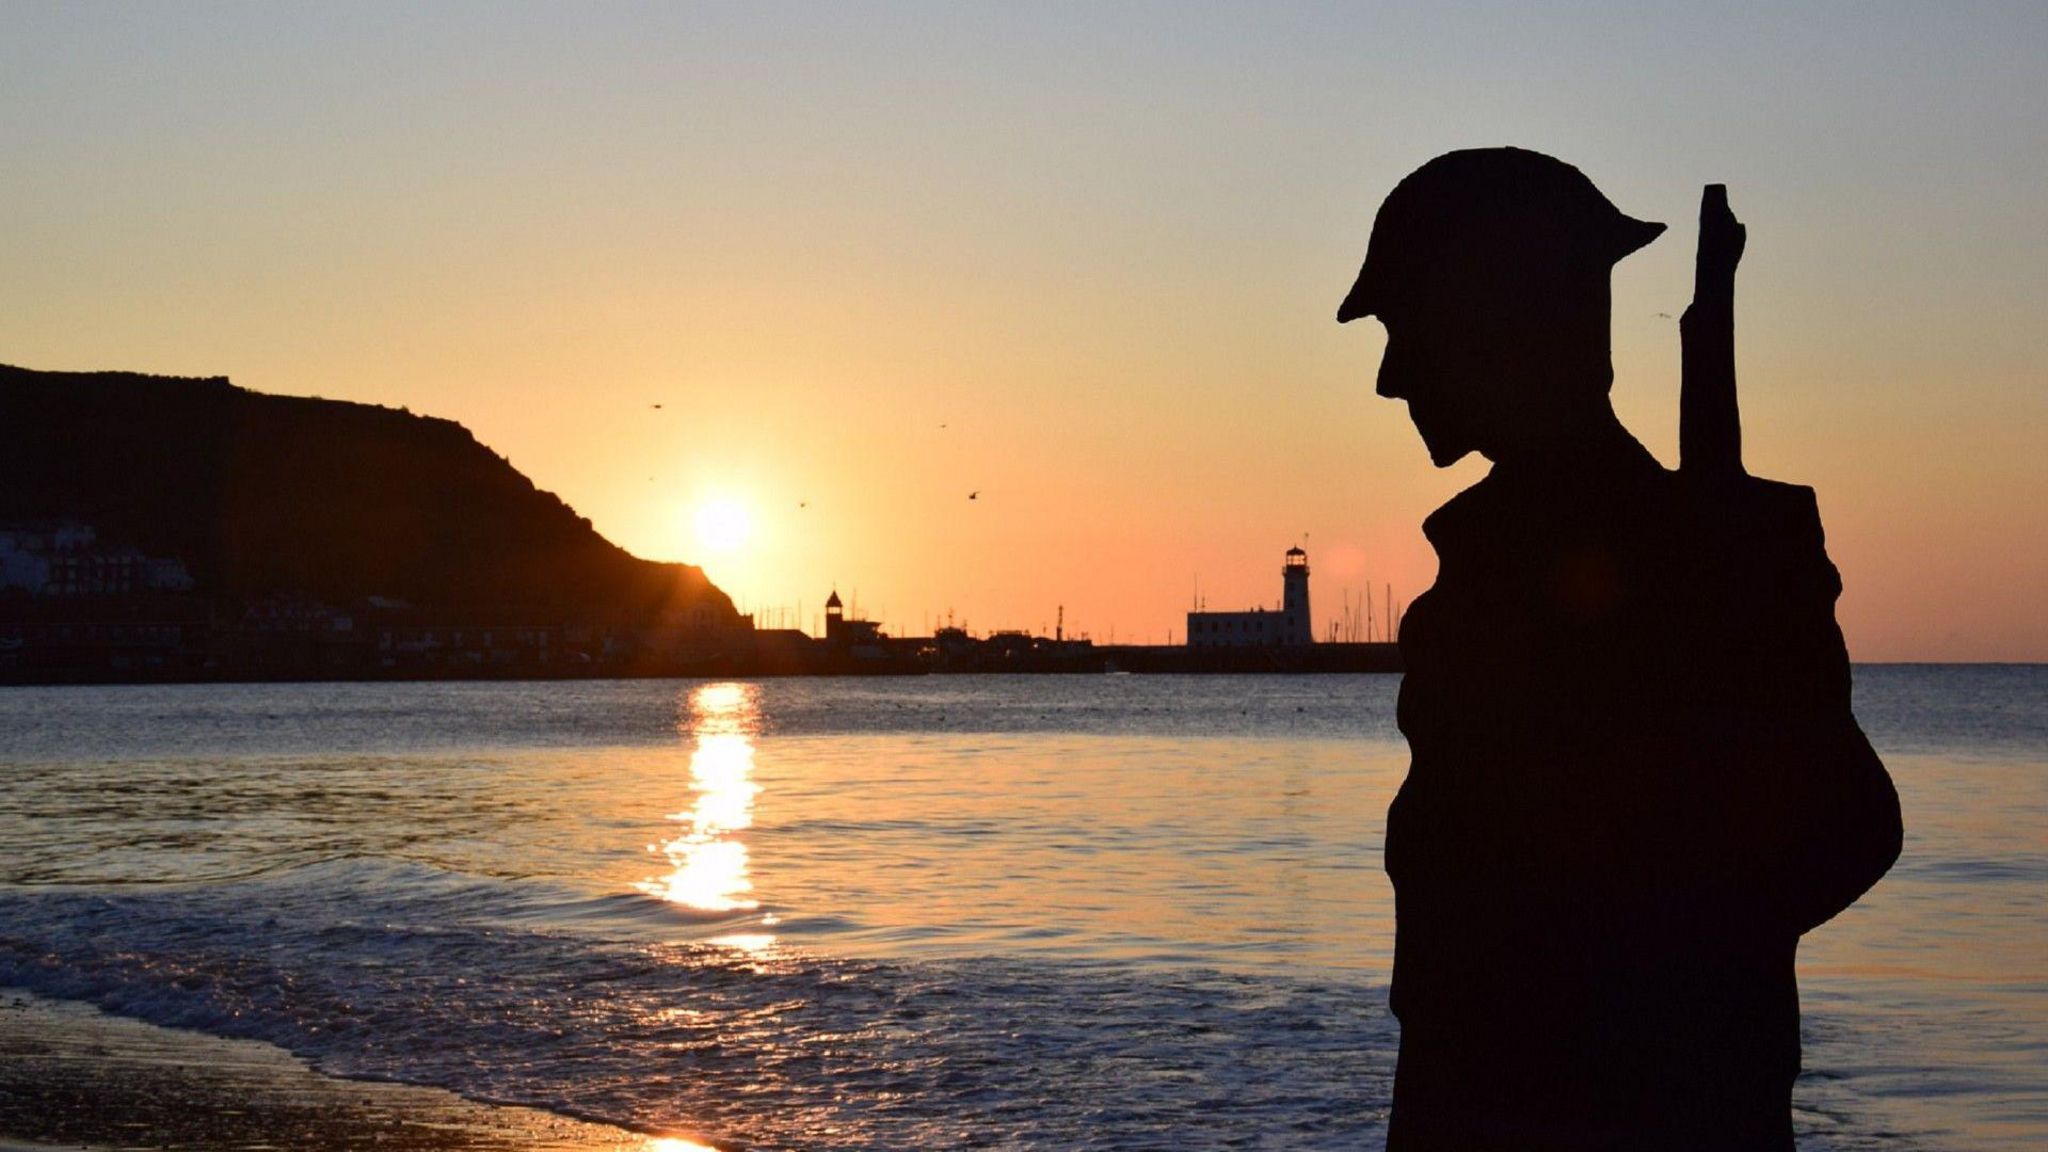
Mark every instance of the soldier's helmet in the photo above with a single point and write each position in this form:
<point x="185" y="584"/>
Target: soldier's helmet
<point x="1493" y="226"/>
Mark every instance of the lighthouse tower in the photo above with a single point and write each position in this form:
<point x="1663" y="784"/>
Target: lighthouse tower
<point x="1294" y="599"/>
<point x="1261" y="627"/>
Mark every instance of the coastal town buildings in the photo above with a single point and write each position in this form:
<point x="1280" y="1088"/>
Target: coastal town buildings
<point x="65" y="558"/>
<point x="77" y="608"/>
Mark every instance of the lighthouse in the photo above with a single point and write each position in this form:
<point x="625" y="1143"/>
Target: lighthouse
<point x="1261" y="627"/>
<point x="1294" y="598"/>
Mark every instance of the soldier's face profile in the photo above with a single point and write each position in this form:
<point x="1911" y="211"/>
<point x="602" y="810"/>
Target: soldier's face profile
<point x="1430" y="367"/>
<point x="1493" y="376"/>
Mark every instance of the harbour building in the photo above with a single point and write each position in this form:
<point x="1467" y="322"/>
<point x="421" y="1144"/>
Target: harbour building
<point x="1261" y="627"/>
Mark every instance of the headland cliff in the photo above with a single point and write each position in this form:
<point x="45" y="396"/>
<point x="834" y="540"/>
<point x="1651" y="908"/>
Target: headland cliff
<point x="242" y="520"/>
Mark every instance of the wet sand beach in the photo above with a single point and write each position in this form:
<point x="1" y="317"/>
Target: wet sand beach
<point x="74" y="1077"/>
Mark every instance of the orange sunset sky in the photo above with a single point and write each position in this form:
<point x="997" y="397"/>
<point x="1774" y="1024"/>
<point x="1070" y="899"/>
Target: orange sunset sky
<point x="1081" y="259"/>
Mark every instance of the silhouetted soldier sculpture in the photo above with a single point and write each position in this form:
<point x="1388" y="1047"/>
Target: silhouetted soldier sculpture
<point x="1635" y="779"/>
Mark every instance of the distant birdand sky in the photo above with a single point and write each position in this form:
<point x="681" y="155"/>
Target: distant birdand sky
<point x="856" y="261"/>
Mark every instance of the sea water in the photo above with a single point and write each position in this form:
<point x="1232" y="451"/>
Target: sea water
<point x="1112" y="912"/>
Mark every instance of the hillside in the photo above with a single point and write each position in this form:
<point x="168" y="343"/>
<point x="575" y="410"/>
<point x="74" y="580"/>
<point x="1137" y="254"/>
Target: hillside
<point x="264" y="494"/>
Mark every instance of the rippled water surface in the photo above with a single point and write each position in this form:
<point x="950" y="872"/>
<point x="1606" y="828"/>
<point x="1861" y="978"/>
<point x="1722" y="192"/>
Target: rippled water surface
<point x="1053" y="912"/>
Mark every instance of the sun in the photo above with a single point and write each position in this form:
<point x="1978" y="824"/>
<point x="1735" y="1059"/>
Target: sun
<point x="723" y="525"/>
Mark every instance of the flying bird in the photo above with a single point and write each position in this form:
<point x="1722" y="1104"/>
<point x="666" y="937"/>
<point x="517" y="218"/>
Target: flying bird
<point x="974" y="495"/>
<point x="654" y="406"/>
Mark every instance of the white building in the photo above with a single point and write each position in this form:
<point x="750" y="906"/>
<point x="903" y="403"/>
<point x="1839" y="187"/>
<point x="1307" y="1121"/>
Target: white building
<point x="24" y="560"/>
<point x="1261" y="627"/>
<point x="66" y="559"/>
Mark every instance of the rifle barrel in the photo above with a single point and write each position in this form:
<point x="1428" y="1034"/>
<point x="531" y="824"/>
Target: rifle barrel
<point x="1709" y="419"/>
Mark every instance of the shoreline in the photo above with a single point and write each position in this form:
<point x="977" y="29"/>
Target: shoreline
<point x="74" y="1077"/>
<point x="1135" y="659"/>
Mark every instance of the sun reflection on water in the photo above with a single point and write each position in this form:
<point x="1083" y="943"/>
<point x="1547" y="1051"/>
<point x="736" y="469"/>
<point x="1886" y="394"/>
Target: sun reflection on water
<point x="676" y="1144"/>
<point x="709" y="870"/>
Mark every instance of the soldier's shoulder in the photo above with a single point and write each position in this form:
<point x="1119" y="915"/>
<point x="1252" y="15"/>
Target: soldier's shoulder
<point x="1762" y="533"/>
<point x="1752" y="506"/>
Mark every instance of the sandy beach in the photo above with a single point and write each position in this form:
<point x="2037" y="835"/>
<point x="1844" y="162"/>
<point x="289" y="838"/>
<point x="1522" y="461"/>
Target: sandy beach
<point x="74" y="1077"/>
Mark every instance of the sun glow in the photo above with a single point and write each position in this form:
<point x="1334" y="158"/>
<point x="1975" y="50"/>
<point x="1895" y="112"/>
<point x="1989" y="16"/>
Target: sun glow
<point x="723" y="525"/>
